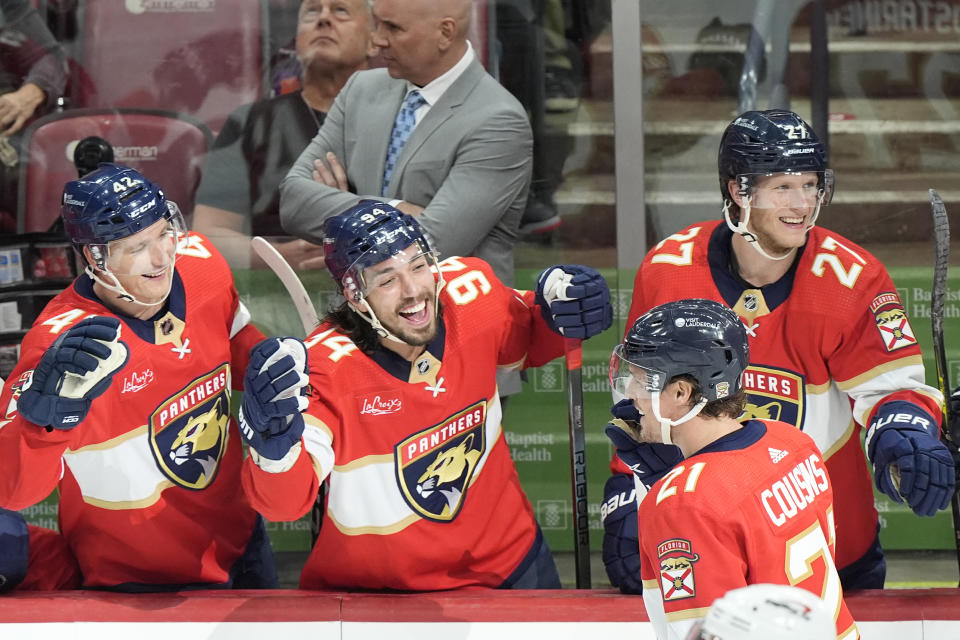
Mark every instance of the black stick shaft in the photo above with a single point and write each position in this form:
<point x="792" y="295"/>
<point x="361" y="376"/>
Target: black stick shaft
<point x="938" y="295"/>
<point x="578" y="458"/>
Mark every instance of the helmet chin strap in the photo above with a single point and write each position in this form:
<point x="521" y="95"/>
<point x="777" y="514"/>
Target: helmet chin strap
<point x="741" y="227"/>
<point x="118" y="289"/>
<point x="665" y="424"/>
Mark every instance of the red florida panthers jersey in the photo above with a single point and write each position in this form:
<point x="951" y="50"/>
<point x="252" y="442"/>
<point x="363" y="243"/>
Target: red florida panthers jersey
<point x="423" y="494"/>
<point x="149" y="481"/>
<point x="755" y="506"/>
<point x="829" y="343"/>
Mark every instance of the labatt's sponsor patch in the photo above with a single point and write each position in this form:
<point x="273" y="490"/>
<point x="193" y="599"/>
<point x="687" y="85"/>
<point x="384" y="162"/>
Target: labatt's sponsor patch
<point x="188" y="431"/>
<point x="677" y="580"/>
<point x="435" y="466"/>
<point x="892" y="323"/>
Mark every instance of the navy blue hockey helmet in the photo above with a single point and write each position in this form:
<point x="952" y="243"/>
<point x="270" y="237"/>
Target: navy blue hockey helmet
<point x="110" y="203"/>
<point x="770" y="142"/>
<point x="365" y="235"/>
<point x="701" y="338"/>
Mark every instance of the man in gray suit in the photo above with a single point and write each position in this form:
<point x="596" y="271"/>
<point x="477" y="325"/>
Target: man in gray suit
<point x="465" y="169"/>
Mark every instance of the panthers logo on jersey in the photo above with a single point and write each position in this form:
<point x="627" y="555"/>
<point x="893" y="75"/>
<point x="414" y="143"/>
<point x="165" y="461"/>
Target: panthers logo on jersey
<point x="773" y="394"/>
<point x="435" y="466"/>
<point x="188" y="431"/>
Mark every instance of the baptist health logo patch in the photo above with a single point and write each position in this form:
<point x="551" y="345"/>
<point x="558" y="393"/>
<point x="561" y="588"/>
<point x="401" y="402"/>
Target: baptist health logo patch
<point x="435" y="465"/>
<point x="676" y="569"/>
<point x="188" y="430"/>
<point x="773" y="394"/>
<point x="892" y="323"/>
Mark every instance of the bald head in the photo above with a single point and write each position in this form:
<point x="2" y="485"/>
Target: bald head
<point x="421" y="39"/>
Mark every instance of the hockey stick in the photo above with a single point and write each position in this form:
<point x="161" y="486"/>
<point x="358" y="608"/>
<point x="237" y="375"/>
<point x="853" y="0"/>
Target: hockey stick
<point x="578" y="458"/>
<point x="941" y="239"/>
<point x="309" y="319"/>
<point x="283" y="270"/>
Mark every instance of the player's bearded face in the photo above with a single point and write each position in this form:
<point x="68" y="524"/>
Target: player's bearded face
<point x="402" y="293"/>
<point x="782" y="207"/>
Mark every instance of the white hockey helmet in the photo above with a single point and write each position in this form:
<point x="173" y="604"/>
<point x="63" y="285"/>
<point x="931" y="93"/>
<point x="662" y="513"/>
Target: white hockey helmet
<point x="766" y="612"/>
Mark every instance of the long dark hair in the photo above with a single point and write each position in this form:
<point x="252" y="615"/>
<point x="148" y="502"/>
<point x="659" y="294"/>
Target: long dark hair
<point x="348" y="322"/>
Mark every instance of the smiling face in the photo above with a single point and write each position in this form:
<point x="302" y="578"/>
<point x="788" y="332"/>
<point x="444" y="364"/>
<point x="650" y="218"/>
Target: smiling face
<point x="782" y="207"/>
<point x="143" y="263"/>
<point x="334" y="33"/>
<point x="401" y="291"/>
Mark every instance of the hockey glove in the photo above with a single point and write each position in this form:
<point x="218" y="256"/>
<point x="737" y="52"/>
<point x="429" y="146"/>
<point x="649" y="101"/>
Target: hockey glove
<point x="574" y="300"/>
<point x="274" y="394"/>
<point x="75" y="369"/>
<point x="909" y="461"/>
<point x="621" y="546"/>
<point x="648" y="461"/>
<point x="14" y="549"/>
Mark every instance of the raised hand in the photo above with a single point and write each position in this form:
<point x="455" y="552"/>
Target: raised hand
<point x="77" y="368"/>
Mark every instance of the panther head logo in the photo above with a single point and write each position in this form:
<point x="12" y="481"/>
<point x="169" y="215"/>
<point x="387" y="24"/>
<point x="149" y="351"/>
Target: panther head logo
<point x="201" y="434"/>
<point x="447" y="472"/>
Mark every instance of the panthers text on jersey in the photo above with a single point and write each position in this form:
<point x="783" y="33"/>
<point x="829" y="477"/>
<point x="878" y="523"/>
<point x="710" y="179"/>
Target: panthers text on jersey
<point x="423" y="494"/>
<point x="755" y="506"/>
<point x="149" y="480"/>
<point x="829" y="343"/>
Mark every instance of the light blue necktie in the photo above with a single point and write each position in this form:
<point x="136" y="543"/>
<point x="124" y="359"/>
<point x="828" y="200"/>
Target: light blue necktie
<point x="402" y="128"/>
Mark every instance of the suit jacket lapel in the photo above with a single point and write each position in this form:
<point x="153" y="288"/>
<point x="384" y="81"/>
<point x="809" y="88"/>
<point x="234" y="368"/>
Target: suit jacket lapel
<point x="452" y="99"/>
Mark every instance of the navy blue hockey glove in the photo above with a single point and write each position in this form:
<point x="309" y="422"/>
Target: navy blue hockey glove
<point x="75" y="369"/>
<point x="648" y="461"/>
<point x="909" y="461"/>
<point x="621" y="546"/>
<point x="274" y="395"/>
<point x="14" y="549"/>
<point x="574" y="300"/>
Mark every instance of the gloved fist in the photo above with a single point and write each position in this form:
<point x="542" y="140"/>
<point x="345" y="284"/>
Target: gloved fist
<point x="574" y="300"/>
<point x="274" y="394"/>
<point x="621" y="545"/>
<point x="648" y="461"/>
<point x="14" y="549"/>
<point x="75" y="369"/>
<point x="909" y="461"/>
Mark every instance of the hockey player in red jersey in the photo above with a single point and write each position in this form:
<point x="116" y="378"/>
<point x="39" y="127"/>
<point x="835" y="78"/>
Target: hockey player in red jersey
<point x="121" y="400"/>
<point x="403" y="421"/>
<point x="832" y="350"/>
<point x="750" y="502"/>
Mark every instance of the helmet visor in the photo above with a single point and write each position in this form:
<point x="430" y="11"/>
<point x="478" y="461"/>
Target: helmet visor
<point x="631" y="380"/>
<point x="790" y="190"/>
<point x="374" y="272"/>
<point x="150" y="251"/>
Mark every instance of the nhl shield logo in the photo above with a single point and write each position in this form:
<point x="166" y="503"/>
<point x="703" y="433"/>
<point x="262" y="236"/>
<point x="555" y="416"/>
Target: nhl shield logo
<point x="435" y="466"/>
<point x="188" y="431"/>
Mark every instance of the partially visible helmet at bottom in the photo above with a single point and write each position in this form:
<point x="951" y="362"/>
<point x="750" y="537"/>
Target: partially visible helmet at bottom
<point x="766" y="612"/>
